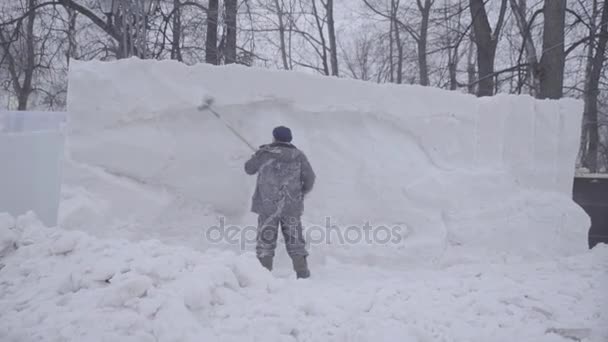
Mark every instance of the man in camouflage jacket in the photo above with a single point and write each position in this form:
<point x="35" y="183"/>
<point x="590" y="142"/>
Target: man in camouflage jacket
<point x="284" y="178"/>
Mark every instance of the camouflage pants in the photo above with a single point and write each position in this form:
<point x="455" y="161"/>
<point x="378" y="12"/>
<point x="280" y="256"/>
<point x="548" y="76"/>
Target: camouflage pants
<point x="268" y="229"/>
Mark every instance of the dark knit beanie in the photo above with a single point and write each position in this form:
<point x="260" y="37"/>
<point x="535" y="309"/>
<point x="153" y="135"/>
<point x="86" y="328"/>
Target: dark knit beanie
<point x="282" y="134"/>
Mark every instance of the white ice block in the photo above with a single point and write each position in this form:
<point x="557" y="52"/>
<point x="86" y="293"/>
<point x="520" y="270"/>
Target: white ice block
<point x="488" y="173"/>
<point x="31" y="150"/>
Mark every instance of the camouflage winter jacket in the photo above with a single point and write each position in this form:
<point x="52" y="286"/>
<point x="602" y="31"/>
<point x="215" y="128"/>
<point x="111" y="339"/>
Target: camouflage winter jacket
<point x="284" y="177"/>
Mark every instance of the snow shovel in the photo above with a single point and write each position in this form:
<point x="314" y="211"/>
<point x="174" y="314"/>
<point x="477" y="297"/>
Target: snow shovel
<point x="207" y="103"/>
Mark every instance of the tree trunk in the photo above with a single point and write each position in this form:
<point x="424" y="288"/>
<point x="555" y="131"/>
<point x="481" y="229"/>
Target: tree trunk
<point x="329" y="10"/>
<point x="591" y="106"/>
<point x="71" y="35"/>
<point x="471" y="69"/>
<point x="425" y="11"/>
<point x="391" y="64"/>
<point x="124" y="42"/>
<point x="398" y="42"/>
<point x="282" y="45"/>
<point x="486" y="49"/>
<point x="211" y="56"/>
<point x="131" y="28"/>
<point x="12" y="65"/>
<point x="519" y="12"/>
<point x="230" y="49"/>
<point x="553" y="59"/>
<point x="176" y="48"/>
<point x="399" y="56"/>
<point x="452" y="67"/>
<point x="588" y="70"/>
<point x="321" y="37"/>
<point x="486" y="42"/>
<point x="453" y="47"/>
<point x="28" y="70"/>
<point x="140" y="35"/>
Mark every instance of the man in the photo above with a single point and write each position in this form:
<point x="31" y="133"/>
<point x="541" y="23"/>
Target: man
<point x="284" y="178"/>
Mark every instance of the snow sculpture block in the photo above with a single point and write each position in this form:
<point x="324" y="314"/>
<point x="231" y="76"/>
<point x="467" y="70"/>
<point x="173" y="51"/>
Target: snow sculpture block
<point x="31" y="150"/>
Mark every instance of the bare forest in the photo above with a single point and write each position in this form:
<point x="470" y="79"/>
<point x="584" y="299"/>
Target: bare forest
<point x="546" y="49"/>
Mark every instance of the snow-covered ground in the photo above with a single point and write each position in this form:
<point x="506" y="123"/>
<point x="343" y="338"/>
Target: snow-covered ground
<point x="69" y="286"/>
<point x="490" y="247"/>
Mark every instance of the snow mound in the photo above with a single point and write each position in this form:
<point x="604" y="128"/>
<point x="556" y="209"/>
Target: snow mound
<point x="8" y="236"/>
<point x="60" y="285"/>
<point x="464" y="177"/>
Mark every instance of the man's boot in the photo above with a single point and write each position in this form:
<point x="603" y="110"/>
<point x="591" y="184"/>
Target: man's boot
<point x="301" y="267"/>
<point x="266" y="261"/>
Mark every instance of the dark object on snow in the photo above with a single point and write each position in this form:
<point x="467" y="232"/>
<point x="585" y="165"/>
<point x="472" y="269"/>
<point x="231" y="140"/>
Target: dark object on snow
<point x="282" y="134"/>
<point x="591" y="193"/>
<point x="284" y="178"/>
<point x="301" y="267"/>
<point x="266" y="261"/>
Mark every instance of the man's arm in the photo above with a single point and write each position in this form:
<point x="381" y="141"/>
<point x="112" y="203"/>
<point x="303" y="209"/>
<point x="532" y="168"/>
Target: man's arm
<point x="308" y="175"/>
<point x="252" y="166"/>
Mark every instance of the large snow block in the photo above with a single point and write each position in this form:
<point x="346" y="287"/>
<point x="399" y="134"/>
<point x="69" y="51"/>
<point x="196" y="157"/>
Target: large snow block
<point x="31" y="149"/>
<point x="493" y="174"/>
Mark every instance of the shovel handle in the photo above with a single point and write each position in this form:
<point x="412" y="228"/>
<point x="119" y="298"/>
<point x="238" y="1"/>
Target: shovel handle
<point x="234" y="131"/>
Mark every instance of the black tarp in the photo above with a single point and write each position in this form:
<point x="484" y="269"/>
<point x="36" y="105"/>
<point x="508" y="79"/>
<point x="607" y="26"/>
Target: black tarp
<point x="591" y="193"/>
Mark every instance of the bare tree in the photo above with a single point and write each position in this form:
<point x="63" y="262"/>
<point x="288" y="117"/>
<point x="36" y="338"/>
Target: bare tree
<point x="71" y="34"/>
<point x="519" y="12"/>
<point x="471" y="69"/>
<point x="395" y="40"/>
<point x="211" y="50"/>
<point x="19" y="51"/>
<point x="230" y="22"/>
<point x="419" y="34"/>
<point x="590" y="142"/>
<point x="486" y="41"/>
<point x="451" y="32"/>
<point x="283" y="45"/>
<point x="421" y="40"/>
<point x="320" y="22"/>
<point x="362" y="58"/>
<point x="553" y="58"/>
<point x="414" y="42"/>
<point x="331" y="31"/>
<point x="176" y="49"/>
<point x="127" y="20"/>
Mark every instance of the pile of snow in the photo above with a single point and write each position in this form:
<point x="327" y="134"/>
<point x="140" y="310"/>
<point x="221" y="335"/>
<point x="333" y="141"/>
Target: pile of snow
<point x="57" y="285"/>
<point x="466" y="177"/>
<point x="8" y="236"/>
